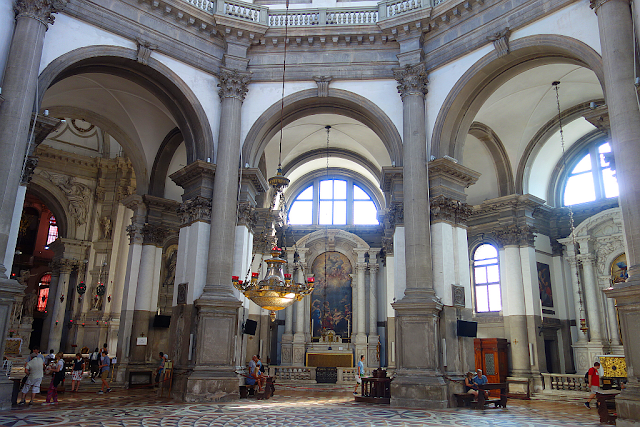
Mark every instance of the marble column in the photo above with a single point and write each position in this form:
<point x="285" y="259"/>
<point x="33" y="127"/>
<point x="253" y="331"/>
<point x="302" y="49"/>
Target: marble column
<point x="213" y="376"/>
<point x="361" y="269"/>
<point x="591" y="295"/>
<point x="59" y="307"/>
<point x="419" y="382"/>
<point x="617" y="43"/>
<point x="373" y="357"/>
<point x="53" y="289"/>
<point x="19" y="91"/>
<point x="612" y="318"/>
<point x="578" y="299"/>
<point x="299" y="339"/>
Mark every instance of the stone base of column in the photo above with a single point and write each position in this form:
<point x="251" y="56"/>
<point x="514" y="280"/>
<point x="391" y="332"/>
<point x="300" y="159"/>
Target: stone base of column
<point x="373" y="358"/>
<point x="299" y="351"/>
<point x="6" y="391"/>
<point x="586" y="353"/>
<point x="286" y="350"/>
<point x="213" y="378"/>
<point x="628" y="407"/>
<point x="413" y="389"/>
<point x="419" y="382"/>
<point x="140" y="328"/>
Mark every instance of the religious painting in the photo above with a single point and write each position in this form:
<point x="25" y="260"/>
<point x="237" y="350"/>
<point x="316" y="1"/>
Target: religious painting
<point x="331" y="298"/>
<point x="619" y="269"/>
<point x="544" y="283"/>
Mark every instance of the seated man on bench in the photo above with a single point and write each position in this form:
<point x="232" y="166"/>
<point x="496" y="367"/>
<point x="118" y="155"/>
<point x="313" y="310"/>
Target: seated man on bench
<point x="254" y="376"/>
<point x="480" y="379"/>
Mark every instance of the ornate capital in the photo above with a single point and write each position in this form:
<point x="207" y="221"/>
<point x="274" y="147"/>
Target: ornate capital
<point x="394" y="215"/>
<point x="154" y="234"/>
<point x="374" y="268"/>
<point x="361" y="266"/>
<point x="134" y="231"/>
<point x="449" y="210"/>
<point x="196" y="209"/>
<point x="501" y="41"/>
<point x="40" y="10"/>
<point x="387" y="246"/>
<point x="29" y="167"/>
<point x="515" y="235"/>
<point x="62" y="266"/>
<point x="262" y="243"/>
<point x="412" y="80"/>
<point x="247" y="215"/>
<point x="233" y="84"/>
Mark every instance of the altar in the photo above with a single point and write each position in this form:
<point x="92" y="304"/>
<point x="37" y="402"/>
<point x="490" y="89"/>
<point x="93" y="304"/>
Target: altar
<point x="330" y="352"/>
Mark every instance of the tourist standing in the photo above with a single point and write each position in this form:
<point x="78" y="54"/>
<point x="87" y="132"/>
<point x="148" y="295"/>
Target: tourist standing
<point x="359" y="374"/>
<point x="94" y="361"/>
<point x="104" y="372"/>
<point x="35" y="369"/>
<point x="78" y="369"/>
<point x="57" y="369"/>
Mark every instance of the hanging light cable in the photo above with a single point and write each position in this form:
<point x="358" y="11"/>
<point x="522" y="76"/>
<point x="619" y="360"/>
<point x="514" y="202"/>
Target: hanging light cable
<point x="583" y="319"/>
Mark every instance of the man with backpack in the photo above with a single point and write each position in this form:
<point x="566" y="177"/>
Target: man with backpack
<point x="593" y="380"/>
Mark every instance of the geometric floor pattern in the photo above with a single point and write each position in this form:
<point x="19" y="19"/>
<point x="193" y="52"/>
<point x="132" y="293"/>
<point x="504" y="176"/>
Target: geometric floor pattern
<point x="289" y="407"/>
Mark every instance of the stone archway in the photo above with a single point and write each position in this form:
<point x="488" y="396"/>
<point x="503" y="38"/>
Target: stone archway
<point x="305" y="103"/>
<point x="471" y="91"/>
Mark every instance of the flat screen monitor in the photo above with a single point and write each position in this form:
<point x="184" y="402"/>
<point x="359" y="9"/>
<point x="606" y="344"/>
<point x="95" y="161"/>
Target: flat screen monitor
<point x="161" y="321"/>
<point x="467" y="329"/>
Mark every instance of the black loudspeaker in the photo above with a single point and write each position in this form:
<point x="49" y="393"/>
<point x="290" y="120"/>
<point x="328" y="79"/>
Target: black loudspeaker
<point x="467" y="329"/>
<point x="250" y="327"/>
<point x="161" y="321"/>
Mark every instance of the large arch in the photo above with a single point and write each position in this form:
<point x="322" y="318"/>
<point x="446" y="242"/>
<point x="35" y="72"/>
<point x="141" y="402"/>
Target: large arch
<point x="305" y="103"/>
<point x="162" y="161"/>
<point x="501" y="161"/>
<point x="476" y="85"/>
<point x="57" y="203"/>
<point x="155" y="77"/>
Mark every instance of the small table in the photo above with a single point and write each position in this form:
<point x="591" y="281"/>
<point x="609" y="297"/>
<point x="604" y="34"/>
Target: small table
<point x="375" y="390"/>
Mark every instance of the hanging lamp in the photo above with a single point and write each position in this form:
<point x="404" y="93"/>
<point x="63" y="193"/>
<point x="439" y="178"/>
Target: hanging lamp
<point x="583" y="318"/>
<point x="276" y="290"/>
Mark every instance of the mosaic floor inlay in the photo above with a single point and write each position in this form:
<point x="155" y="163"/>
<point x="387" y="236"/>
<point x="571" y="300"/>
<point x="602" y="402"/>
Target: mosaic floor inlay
<point x="289" y="407"/>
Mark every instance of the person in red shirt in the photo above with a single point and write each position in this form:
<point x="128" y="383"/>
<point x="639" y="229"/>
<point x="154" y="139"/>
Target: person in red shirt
<point x="594" y="382"/>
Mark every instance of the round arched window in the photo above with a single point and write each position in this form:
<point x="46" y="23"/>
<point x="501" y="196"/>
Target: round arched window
<point x="591" y="178"/>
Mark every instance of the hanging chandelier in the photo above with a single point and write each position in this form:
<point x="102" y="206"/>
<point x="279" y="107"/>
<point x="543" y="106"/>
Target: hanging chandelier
<point x="583" y="320"/>
<point x="277" y="290"/>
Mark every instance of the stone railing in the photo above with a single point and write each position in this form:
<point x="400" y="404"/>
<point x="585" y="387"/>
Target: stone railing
<point x="365" y="15"/>
<point x="564" y="382"/>
<point x="292" y="373"/>
<point x="206" y="5"/>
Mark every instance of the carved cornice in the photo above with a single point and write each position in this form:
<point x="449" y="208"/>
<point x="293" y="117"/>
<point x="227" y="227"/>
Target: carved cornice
<point x="374" y="268"/>
<point x="233" y="84"/>
<point x="194" y="174"/>
<point x="262" y="243"/>
<point x="390" y="176"/>
<point x="40" y="10"/>
<point x="452" y="171"/>
<point x="412" y="80"/>
<point x="508" y="203"/>
<point x="196" y="209"/>
<point x="515" y="235"/>
<point x="154" y="234"/>
<point x="449" y="210"/>
<point x="255" y="177"/>
<point x="44" y="126"/>
<point x="595" y="4"/>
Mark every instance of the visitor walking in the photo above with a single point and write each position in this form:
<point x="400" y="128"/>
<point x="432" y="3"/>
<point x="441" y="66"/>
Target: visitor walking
<point x="35" y="369"/>
<point x="104" y="372"/>
<point x="593" y="382"/>
<point x="94" y="361"/>
<point x="78" y="370"/>
<point x="359" y="374"/>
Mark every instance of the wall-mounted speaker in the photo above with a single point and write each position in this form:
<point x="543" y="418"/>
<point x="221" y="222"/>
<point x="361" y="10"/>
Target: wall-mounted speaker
<point x="250" y="327"/>
<point x="467" y="329"/>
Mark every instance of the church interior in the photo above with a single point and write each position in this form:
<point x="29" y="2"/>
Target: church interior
<point x="436" y="185"/>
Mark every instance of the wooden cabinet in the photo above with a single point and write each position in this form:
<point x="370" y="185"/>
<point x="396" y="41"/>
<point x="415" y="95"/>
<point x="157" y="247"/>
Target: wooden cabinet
<point x="491" y="357"/>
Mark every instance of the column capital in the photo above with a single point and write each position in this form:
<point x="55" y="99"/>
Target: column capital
<point x="62" y="266"/>
<point x="134" y="231"/>
<point x="515" y="235"/>
<point x="154" y="234"/>
<point x="373" y="268"/>
<point x="412" y="80"/>
<point x="40" y="10"/>
<point x="595" y="4"/>
<point x="247" y="215"/>
<point x="447" y="209"/>
<point x="361" y="266"/>
<point x="193" y="210"/>
<point x="587" y="258"/>
<point x="233" y="84"/>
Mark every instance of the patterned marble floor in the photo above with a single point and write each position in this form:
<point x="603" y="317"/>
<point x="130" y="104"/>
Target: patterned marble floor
<point x="289" y="407"/>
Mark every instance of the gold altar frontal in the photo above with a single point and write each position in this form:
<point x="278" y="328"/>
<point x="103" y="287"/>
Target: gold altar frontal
<point x="330" y="360"/>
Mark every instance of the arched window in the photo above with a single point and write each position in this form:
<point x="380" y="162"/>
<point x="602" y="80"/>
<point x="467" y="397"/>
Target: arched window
<point x="333" y="202"/>
<point x="52" y="235"/>
<point x="486" y="276"/>
<point x="591" y="178"/>
<point x="43" y="292"/>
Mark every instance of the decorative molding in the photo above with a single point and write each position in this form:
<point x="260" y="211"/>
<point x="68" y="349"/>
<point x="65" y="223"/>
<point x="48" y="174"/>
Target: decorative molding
<point x="452" y="171"/>
<point x="134" y="231"/>
<point x="182" y="293"/>
<point x="515" y="235"/>
<point x="62" y="266"/>
<point x="77" y="193"/>
<point x="501" y="41"/>
<point x="458" y="295"/>
<point x="233" y="84"/>
<point x="599" y="117"/>
<point x="323" y="85"/>
<point x="557" y="248"/>
<point x="395" y="214"/>
<point x="196" y="209"/>
<point x="144" y="50"/>
<point x="30" y="165"/>
<point x="154" y="234"/>
<point x="449" y="210"/>
<point x="40" y="10"/>
<point x="247" y="215"/>
<point x="387" y="246"/>
<point x="412" y="80"/>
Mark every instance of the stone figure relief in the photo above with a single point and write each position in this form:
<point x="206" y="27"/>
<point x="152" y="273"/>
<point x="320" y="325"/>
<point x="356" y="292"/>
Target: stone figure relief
<point x="106" y="227"/>
<point x="77" y="193"/>
<point x="29" y="303"/>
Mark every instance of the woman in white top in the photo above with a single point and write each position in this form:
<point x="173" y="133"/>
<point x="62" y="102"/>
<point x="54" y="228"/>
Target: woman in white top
<point x="57" y="368"/>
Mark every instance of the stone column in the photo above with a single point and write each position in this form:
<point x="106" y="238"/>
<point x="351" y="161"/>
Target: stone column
<point x="59" y="307"/>
<point x="419" y="382"/>
<point x="612" y="318"/>
<point x="361" y="269"/>
<point x="591" y="295"/>
<point x="299" y="338"/>
<point x="213" y="376"/>
<point x="53" y="289"/>
<point x="19" y="89"/>
<point x="373" y="359"/>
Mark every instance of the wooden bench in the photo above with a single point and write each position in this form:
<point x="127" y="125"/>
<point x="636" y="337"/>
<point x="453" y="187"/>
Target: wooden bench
<point x="464" y="399"/>
<point x="607" y="407"/>
<point x="250" y="390"/>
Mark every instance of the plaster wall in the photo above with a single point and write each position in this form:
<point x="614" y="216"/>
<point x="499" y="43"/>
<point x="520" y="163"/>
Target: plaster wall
<point x="172" y="190"/>
<point x="6" y="32"/>
<point x="205" y="88"/>
<point x="383" y="93"/>
<point x="577" y="20"/>
<point x="69" y="33"/>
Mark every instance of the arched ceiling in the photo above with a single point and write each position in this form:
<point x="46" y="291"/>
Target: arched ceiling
<point x="308" y="134"/>
<point x="136" y="112"/>
<point x="519" y="108"/>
